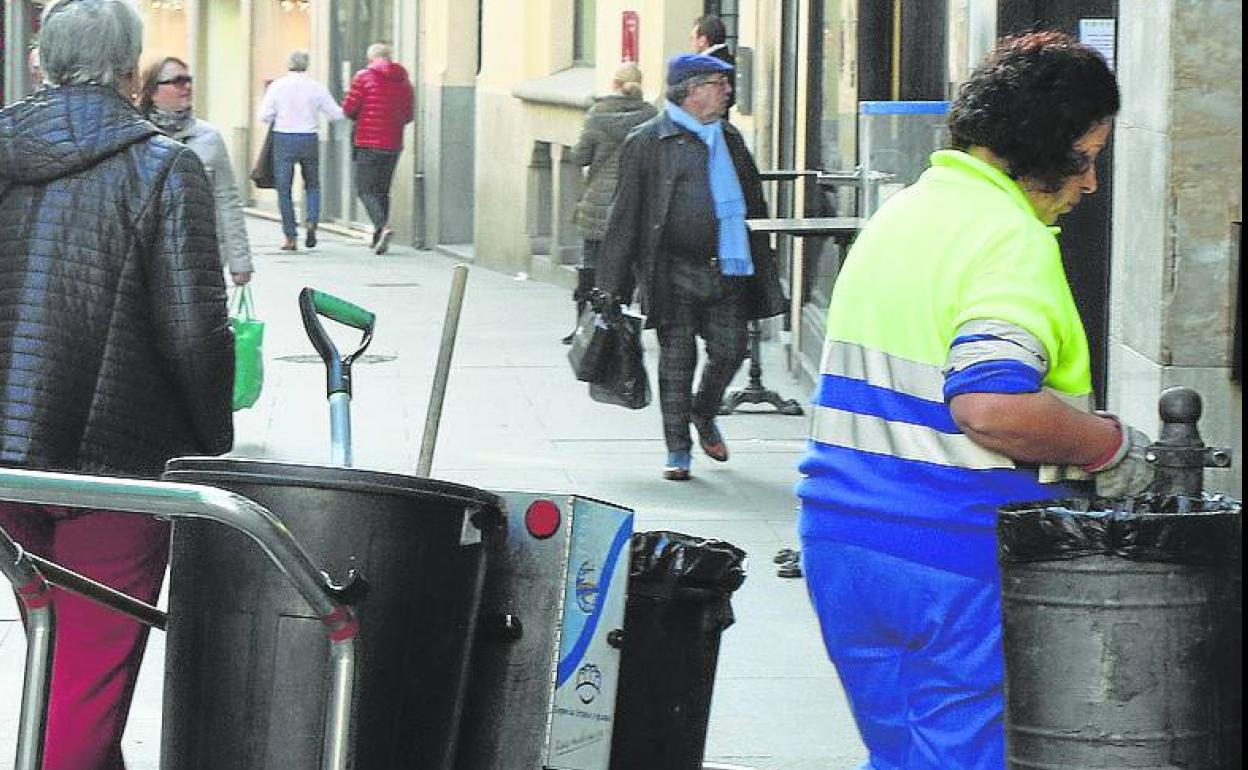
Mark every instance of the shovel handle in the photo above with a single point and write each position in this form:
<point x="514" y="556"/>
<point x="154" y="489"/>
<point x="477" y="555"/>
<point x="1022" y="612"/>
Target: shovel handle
<point x="312" y="305"/>
<point x="342" y="311"/>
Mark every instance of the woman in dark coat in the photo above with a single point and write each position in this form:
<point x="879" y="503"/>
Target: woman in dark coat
<point x="609" y="120"/>
<point x="115" y="350"/>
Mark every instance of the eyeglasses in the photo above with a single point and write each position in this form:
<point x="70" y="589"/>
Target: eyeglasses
<point x="180" y="80"/>
<point x="719" y="82"/>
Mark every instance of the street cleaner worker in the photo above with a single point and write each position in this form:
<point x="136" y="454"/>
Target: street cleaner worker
<point x="955" y="379"/>
<point x="115" y="348"/>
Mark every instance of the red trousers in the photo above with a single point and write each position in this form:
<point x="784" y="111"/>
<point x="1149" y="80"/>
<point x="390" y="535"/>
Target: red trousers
<point x="98" y="651"/>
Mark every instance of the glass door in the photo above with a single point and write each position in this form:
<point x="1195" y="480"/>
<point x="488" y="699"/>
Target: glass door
<point x="831" y="146"/>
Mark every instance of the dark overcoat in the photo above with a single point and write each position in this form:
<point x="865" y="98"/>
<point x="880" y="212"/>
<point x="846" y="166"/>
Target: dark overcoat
<point x="631" y="258"/>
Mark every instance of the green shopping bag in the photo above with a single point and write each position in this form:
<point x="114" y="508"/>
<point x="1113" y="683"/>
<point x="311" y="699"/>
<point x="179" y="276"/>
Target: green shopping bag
<point x="248" y="358"/>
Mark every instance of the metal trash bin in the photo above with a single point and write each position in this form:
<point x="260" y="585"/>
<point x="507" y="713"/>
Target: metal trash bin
<point x="1122" y="624"/>
<point x="679" y="603"/>
<point x="245" y="658"/>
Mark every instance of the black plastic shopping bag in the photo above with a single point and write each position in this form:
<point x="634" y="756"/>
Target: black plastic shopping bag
<point x="592" y="343"/>
<point x="623" y="380"/>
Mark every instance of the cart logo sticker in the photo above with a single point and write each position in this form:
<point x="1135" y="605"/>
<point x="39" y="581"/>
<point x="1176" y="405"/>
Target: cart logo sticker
<point x="588" y="683"/>
<point x="587" y="587"/>
<point x="574" y="656"/>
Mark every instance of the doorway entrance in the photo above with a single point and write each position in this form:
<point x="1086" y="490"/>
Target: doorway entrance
<point x="1085" y="236"/>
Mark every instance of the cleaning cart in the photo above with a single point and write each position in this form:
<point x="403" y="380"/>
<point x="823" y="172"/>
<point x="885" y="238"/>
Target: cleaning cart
<point x="423" y="544"/>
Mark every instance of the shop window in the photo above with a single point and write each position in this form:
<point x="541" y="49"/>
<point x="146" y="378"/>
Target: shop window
<point x="584" y="27"/>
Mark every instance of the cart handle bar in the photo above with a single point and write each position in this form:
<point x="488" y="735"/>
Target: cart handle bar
<point x="187" y="501"/>
<point x="312" y="304"/>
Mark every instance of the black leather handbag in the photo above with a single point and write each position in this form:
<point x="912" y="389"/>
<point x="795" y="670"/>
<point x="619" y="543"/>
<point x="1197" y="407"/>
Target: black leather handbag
<point x="262" y="172"/>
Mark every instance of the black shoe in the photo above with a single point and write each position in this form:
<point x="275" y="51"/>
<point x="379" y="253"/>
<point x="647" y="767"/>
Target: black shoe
<point x="376" y="236"/>
<point x="310" y="240"/>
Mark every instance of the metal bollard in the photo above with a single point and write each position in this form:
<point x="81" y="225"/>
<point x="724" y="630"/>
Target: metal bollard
<point x="1179" y="453"/>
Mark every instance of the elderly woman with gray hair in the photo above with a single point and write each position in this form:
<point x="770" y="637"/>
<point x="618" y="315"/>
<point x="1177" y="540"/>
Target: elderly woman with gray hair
<point x="115" y="350"/>
<point x="293" y="104"/>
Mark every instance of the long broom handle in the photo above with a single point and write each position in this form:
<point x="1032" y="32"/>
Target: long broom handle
<point x="450" y="326"/>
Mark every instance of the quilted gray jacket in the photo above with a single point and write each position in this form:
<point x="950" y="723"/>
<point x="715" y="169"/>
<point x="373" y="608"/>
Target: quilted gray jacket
<point x="115" y="350"/>
<point x="609" y="120"/>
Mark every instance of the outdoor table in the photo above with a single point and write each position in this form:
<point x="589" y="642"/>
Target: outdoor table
<point x="787" y="175"/>
<point x="843" y="229"/>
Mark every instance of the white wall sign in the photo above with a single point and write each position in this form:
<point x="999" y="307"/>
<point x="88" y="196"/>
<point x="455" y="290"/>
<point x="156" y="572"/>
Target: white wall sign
<point x="1099" y="35"/>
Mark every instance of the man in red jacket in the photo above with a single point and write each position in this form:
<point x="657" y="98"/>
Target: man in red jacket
<point x="380" y="103"/>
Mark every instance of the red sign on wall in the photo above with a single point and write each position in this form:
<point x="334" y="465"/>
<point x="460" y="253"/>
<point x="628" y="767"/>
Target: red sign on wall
<point x="630" y="36"/>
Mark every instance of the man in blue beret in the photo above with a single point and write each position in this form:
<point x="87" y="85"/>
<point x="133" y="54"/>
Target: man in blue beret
<point x="676" y="238"/>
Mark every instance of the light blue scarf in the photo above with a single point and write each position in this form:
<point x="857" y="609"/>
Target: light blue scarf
<point x="734" y="242"/>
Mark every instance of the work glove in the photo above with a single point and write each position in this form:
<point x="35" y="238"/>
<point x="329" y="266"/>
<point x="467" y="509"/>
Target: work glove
<point x="1125" y="472"/>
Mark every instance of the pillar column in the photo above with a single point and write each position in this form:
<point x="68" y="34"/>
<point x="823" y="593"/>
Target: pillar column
<point x="1177" y="190"/>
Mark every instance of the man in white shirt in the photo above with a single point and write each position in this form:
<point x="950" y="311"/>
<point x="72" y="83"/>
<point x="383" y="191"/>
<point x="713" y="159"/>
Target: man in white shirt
<point x="293" y="104"/>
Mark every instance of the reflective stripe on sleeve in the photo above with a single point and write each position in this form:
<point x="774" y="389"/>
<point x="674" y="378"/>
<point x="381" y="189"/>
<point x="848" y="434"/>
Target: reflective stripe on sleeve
<point x="907" y="441"/>
<point x="980" y="341"/>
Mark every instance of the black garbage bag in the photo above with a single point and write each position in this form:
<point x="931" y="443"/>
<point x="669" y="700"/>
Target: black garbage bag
<point x="678" y="606"/>
<point x="1150" y="527"/>
<point x="622" y="380"/>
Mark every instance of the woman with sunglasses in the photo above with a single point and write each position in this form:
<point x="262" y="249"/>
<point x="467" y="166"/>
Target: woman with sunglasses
<point x="166" y="99"/>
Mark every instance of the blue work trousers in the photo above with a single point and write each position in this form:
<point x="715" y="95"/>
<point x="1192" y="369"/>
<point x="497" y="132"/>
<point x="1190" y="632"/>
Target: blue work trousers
<point x="289" y="149"/>
<point x="918" y="651"/>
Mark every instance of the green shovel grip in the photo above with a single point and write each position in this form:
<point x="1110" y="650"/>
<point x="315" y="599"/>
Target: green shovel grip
<point x="342" y="311"/>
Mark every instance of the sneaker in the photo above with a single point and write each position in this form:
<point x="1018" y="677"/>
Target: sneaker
<point x="711" y="440"/>
<point x="383" y="241"/>
<point x="677" y="468"/>
<point x="310" y="240"/>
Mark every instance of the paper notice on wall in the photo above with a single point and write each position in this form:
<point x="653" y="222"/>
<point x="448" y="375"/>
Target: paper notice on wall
<point x="1098" y="34"/>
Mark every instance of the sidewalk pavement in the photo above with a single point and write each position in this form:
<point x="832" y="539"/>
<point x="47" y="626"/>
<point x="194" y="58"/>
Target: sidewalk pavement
<point x="515" y="418"/>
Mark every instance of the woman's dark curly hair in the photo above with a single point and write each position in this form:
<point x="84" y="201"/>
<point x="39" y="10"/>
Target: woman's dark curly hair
<point x="1029" y="102"/>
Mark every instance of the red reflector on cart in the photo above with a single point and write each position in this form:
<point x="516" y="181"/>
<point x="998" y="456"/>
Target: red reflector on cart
<point x="542" y="519"/>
